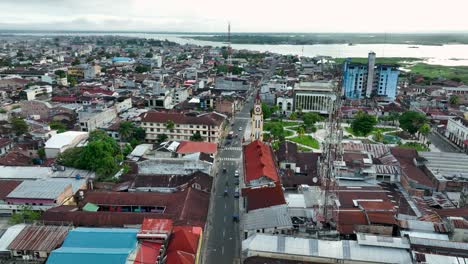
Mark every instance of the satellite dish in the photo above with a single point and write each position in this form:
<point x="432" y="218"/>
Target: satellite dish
<point x="315" y="180"/>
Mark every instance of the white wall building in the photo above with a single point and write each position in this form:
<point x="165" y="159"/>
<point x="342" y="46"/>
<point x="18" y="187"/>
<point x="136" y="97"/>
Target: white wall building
<point x="60" y="142"/>
<point x="285" y="105"/>
<point x="314" y="97"/>
<point x="92" y="119"/>
<point x="457" y="131"/>
<point x="36" y="90"/>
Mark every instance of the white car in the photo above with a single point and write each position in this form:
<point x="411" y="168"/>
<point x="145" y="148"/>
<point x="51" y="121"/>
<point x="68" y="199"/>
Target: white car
<point x="240" y="128"/>
<point x="236" y="173"/>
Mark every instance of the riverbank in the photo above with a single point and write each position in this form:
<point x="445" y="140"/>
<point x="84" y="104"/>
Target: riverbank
<point x="432" y="39"/>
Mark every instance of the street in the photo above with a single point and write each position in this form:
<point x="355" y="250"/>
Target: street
<point x="441" y="143"/>
<point x="223" y="243"/>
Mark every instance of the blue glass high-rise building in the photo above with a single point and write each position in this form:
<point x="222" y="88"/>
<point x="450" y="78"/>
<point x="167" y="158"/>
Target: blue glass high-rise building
<point x="354" y="80"/>
<point x="387" y="80"/>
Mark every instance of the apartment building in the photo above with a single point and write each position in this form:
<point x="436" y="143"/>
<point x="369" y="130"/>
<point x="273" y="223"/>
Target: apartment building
<point x="181" y="126"/>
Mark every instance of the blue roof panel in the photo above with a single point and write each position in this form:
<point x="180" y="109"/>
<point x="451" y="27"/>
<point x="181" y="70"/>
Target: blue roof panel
<point x="95" y="246"/>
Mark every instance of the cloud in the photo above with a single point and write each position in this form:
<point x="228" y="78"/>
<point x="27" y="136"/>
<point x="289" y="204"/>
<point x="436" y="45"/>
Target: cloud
<point x="245" y="15"/>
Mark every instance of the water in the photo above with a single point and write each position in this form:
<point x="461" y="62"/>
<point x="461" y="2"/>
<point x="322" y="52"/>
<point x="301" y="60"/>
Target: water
<point x="448" y="55"/>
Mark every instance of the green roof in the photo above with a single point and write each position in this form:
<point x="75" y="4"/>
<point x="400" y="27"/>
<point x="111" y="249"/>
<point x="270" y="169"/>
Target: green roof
<point x="90" y="207"/>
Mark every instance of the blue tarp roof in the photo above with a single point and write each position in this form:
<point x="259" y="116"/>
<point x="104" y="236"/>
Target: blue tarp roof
<point x="95" y="246"/>
<point x="121" y="59"/>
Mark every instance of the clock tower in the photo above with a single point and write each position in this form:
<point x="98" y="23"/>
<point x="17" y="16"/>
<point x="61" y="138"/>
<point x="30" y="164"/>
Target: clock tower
<point x="257" y="121"/>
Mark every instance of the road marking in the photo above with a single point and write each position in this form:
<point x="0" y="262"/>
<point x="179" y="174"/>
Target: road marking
<point x="224" y="233"/>
<point x="222" y="250"/>
<point x="225" y="219"/>
<point x="232" y="148"/>
<point x="225" y="206"/>
<point x="229" y="159"/>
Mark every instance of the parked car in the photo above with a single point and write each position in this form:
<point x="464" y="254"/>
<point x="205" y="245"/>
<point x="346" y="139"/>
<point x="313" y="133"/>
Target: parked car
<point x="236" y="192"/>
<point x="236" y="173"/>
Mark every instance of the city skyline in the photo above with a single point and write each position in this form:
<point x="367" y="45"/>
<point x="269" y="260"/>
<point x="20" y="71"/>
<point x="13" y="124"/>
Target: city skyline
<point x="245" y="16"/>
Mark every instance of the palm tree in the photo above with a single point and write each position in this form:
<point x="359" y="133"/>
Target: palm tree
<point x="424" y="130"/>
<point x="379" y="136"/>
<point x="126" y="130"/>
<point x="301" y="131"/>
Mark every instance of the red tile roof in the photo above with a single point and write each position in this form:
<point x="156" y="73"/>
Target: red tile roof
<point x="460" y="212"/>
<point x="381" y="218"/>
<point x="264" y="196"/>
<point x="259" y="162"/>
<point x="156" y="226"/>
<point x="195" y="146"/>
<point x="6" y="187"/>
<point x="210" y="119"/>
<point x="4" y="142"/>
<point x="148" y="252"/>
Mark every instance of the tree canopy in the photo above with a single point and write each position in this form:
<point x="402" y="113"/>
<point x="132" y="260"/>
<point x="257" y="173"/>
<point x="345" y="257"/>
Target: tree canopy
<point x="24" y="214"/>
<point x="19" y="126"/>
<point x="196" y="137"/>
<point x="411" y="121"/>
<point x="102" y="155"/>
<point x="363" y="123"/>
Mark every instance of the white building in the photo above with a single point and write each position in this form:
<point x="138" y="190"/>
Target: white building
<point x="36" y="90"/>
<point x="314" y="97"/>
<point x="285" y="104"/>
<point x="123" y="104"/>
<point x="91" y="119"/>
<point x="60" y="142"/>
<point x="457" y="131"/>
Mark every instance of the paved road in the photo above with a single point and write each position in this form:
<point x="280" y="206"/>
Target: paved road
<point x="223" y="243"/>
<point x="441" y="143"/>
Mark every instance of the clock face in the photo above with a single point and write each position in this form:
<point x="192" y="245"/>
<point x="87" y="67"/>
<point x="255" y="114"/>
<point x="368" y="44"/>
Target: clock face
<point x="257" y="109"/>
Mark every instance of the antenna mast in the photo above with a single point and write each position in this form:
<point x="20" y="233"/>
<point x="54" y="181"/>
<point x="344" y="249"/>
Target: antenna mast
<point x="229" y="51"/>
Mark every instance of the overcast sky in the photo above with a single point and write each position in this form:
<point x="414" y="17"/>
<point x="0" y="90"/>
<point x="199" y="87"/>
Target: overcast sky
<point x="245" y="15"/>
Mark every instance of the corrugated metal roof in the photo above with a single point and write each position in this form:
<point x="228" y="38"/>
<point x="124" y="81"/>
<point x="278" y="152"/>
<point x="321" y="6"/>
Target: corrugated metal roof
<point x="382" y="241"/>
<point x="438" y="243"/>
<point x="45" y="189"/>
<point x="270" y="217"/>
<point x="265" y="245"/>
<point x="95" y="246"/>
<point x="39" y="238"/>
<point x="10" y="234"/>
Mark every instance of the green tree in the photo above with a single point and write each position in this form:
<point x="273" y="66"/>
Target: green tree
<point x="196" y="137"/>
<point x="277" y="131"/>
<point x="139" y="134"/>
<point x="393" y="116"/>
<point x="411" y="121"/>
<point x="127" y="149"/>
<point x="310" y="119"/>
<point x="363" y="123"/>
<point x="293" y="116"/>
<point x="41" y="153"/>
<point x="19" y="126"/>
<point x="60" y="127"/>
<point x="142" y="68"/>
<point x="149" y="55"/>
<point x="424" y="131"/>
<point x="24" y="214"/>
<point x="379" y="136"/>
<point x="301" y="131"/>
<point x="170" y="125"/>
<point x="76" y="62"/>
<point x="60" y="73"/>
<point x="71" y="81"/>
<point x="126" y="130"/>
<point x="266" y="110"/>
<point x="454" y="99"/>
<point x="162" y="138"/>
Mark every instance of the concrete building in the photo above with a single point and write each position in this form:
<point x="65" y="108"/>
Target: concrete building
<point x="285" y="104"/>
<point x="386" y="82"/>
<point x="370" y="67"/>
<point x="354" y="80"/>
<point x="60" y="142"/>
<point x="364" y="81"/>
<point x="315" y="97"/>
<point x="36" y="90"/>
<point x="231" y="84"/>
<point x="457" y="132"/>
<point x="208" y="125"/>
<point x="91" y="118"/>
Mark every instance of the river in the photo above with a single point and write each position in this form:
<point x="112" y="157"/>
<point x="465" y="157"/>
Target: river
<point x="448" y="55"/>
